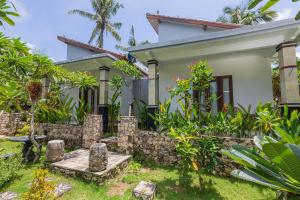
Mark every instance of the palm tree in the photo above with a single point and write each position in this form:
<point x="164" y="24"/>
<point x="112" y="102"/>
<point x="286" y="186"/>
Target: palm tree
<point x="132" y="42"/>
<point x="5" y="13"/>
<point x="242" y="15"/>
<point x="104" y="11"/>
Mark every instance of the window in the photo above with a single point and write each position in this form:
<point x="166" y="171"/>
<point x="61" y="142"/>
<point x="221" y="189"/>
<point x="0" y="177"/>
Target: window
<point x="91" y="98"/>
<point x="221" y="87"/>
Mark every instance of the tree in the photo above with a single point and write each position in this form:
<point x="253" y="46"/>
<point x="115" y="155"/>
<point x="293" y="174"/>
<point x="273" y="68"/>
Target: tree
<point x="21" y="78"/>
<point x="269" y="4"/>
<point x="132" y="42"/>
<point x="6" y="12"/>
<point x="104" y="11"/>
<point x="242" y="15"/>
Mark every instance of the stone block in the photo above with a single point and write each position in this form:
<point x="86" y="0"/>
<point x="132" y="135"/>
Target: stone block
<point x="55" y="150"/>
<point x="98" y="157"/>
<point x="145" y="190"/>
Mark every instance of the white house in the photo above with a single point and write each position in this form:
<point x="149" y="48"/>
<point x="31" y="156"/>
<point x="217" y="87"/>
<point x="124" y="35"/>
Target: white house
<point x="99" y="63"/>
<point x="240" y="57"/>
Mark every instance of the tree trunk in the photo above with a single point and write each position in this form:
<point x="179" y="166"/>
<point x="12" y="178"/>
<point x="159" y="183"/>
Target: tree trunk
<point x="31" y="136"/>
<point x="101" y="38"/>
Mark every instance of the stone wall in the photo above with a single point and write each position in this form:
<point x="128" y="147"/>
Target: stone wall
<point x="127" y="127"/>
<point x="75" y="136"/>
<point x="92" y="130"/>
<point x="71" y="134"/>
<point x="9" y="123"/>
<point x="161" y="148"/>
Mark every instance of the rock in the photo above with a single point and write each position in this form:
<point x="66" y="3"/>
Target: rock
<point x="55" y="150"/>
<point x="8" y="195"/>
<point x="145" y="190"/>
<point x="62" y="188"/>
<point x="98" y="157"/>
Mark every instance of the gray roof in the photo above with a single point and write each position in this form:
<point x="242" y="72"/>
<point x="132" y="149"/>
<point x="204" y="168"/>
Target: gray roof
<point x="243" y="31"/>
<point x="95" y="56"/>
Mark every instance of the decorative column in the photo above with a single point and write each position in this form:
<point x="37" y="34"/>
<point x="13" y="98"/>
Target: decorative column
<point x="103" y="96"/>
<point x="153" y="98"/>
<point x="289" y="86"/>
<point x="45" y="87"/>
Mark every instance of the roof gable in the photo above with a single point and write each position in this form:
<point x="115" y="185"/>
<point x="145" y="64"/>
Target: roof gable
<point x="155" y="20"/>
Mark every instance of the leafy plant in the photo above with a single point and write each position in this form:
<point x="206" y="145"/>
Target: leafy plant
<point x="142" y="113"/>
<point x="7" y="9"/>
<point x="9" y="168"/>
<point x="40" y="189"/>
<point x="275" y="164"/>
<point x="81" y="111"/>
<point x="268" y="4"/>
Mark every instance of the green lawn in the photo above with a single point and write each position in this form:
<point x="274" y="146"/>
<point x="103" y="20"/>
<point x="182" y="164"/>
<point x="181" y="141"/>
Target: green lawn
<point x="167" y="180"/>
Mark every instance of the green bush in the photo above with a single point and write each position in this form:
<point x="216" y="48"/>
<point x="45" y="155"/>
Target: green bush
<point x="9" y="168"/>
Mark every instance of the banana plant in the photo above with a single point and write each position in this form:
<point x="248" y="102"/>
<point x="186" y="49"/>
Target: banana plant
<point x="273" y="164"/>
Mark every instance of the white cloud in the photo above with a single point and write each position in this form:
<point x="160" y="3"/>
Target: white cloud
<point x="21" y="9"/>
<point x="298" y="55"/>
<point x="33" y="48"/>
<point x="285" y="14"/>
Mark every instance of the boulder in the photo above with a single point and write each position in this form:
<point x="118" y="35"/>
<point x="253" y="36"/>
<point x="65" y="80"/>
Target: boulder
<point x="145" y="190"/>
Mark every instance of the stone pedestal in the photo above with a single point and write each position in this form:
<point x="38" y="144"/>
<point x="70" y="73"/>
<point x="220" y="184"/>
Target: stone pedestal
<point x="98" y="157"/>
<point x="55" y="150"/>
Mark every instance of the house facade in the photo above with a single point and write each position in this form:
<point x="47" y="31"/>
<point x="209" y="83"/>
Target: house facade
<point x="240" y="56"/>
<point x="99" y="63"/>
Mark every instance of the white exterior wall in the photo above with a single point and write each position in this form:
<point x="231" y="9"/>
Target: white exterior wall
<point x="251" y="77"/>
<point x="76" y="52"/>
<point x="171" y="31"/>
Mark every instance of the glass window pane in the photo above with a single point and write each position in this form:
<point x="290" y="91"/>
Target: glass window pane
<point x="226" y="92"/>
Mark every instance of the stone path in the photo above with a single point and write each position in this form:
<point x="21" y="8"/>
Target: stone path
<point x="8" y="195"/>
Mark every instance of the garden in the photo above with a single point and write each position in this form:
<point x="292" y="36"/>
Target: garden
<point x="194" y="152"/>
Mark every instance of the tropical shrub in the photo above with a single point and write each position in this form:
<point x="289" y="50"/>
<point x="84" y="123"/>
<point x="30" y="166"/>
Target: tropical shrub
<point x="117" y="83"/>
<point x="40" y="189"/>
<point x="142" y="113"/>
<point x="198" y="154"/>
<point x="22" y="75"/>
<point x="81" y="111"/>
<point x="275" y="163"/>
<point x="9" y="168"/>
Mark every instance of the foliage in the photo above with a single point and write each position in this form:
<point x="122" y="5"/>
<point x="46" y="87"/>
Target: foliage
<point x="81" y="111"/>
<point x="242" y="15"/>
<point x="134" y="167"/>
<point x="243" y="120"/>
<point x="117" y="83"/>
<point x="197" y="154"/>
<point x="268" y="4"/>
<point x="55" y="110"/>
<point x="104" y="10"/>
<point x="275" y="164"/>
<point x="9" y="168"/>
<point x="7" y="9"/>
<point x="267" y="118"/>
<point x="127" y="68"/>
<point x="40" y="189"/>
<point x="142" y="113"/>
<point x="132" y="42"/>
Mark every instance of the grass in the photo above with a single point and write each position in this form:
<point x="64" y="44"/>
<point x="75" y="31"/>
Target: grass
<point x="170" y="184"/>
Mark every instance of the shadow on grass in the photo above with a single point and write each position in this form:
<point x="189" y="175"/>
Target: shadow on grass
<point x="168" y="189"/>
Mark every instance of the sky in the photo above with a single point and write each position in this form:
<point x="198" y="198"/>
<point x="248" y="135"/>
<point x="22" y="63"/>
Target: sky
<point x="42" y="20"/>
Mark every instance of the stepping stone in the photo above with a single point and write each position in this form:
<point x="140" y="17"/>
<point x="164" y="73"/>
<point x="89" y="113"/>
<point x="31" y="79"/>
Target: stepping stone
<point x="8" y="195"/>
<point x="61" y="189"/>
<point x="145" y="190"/>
